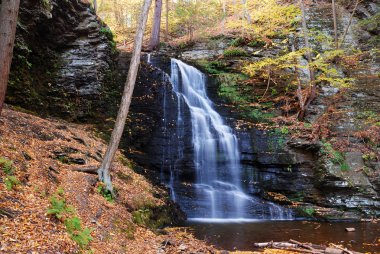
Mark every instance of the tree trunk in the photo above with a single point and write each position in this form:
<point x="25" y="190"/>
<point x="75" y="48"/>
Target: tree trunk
<point x="104" y="170"/>
<point x="335" y="24"/>
<point x="224" y="7"/>
<point x="95" y="7"/>
<point x="313" y="86"/>
<point x="8" y="20"/>
<point x="167" y="22"/>
<point x="155" y="36"/>
<point x="349" y="23"/>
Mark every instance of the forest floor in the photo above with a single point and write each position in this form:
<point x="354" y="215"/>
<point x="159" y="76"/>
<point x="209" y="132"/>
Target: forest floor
<point x="43" y="154"/>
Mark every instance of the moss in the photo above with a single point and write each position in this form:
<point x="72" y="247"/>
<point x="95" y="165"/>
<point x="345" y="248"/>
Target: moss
<point x="32" y="72"/>
<point x="306" y="211"/>
<point x="234" y="52"/>
<point x="153" y="217"/>
<point x="212" y="67"/>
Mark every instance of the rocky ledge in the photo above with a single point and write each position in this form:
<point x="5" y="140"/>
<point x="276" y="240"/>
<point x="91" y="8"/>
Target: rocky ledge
<point x="63" y="54"/>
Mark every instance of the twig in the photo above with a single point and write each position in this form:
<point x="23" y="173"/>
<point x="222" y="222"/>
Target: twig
<point x="266" y="90"/>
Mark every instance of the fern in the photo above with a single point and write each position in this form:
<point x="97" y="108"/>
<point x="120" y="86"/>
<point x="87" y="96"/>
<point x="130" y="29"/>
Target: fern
<point x="82" y="236"/>
<point x="11" y="182"/>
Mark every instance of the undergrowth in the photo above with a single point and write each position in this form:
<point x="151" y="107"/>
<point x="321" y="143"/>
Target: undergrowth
<point x="66" y="214"/>
<point x="10" y="180"/>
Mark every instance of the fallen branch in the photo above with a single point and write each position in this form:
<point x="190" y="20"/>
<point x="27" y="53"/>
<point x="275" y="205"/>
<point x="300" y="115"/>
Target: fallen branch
<point x="302" y="244"/>
<point x="89" y="170"/>
<point x="343" y="249"/>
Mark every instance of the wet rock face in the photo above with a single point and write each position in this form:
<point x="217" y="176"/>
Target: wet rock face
<point x="150" y="135"/>
<point x="62" y="56"/>
<point x="296" y="171"/>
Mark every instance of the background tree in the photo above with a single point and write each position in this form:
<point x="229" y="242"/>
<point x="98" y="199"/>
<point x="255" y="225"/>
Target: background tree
<point x="335" y="24"/>
<point x="104" y="170"/>
<point x="155" y="35"/>
<point x="166" y="20"/>
<point x="95" y="6"/>
<point x="8" y="20"/>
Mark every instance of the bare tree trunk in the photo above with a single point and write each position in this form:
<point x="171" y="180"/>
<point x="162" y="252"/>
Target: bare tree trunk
<point x="335" y="24"/>
<point x="224" y="7"/>
<point x="313" y="86"/>
<point x="349" y="23"/>
<point x="155" y="36"/>
<point x="95" y="7"/>
<point x="8" y="20"/>
<point x="167" y="21"/>
<point x="104" y="170"/>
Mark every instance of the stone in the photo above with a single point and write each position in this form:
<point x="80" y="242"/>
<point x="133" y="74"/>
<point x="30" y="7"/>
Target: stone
<point x="183" y="247"/>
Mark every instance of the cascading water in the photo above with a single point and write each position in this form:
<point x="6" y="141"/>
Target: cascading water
<point x="218" y="194"/>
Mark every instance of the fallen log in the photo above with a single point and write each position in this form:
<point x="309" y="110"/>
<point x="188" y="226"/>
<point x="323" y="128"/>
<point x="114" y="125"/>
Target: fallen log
<point x="275" y="244"/>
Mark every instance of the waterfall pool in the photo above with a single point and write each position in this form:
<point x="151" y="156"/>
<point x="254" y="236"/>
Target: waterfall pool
<point x="242" y="236"/>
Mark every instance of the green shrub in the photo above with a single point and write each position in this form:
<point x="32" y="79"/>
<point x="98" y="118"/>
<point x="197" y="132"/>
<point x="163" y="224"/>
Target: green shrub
<point x="60" y="210"/>
<point x="82" y="236"/>
<point x="101" y="189"/>
<point x="7" y="166"/>
<point x="10" y="182"/>
<point x="58" y="207"/>
<point x="237" y="42"/>
<point x="234" y="51"/>
<point x="335" y="157"/>
<point x="107" y="32"/>
<point x="256" y="43"/>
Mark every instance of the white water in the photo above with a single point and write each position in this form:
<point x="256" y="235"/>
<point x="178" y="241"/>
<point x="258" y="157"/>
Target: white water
<point x="218" y="191"/>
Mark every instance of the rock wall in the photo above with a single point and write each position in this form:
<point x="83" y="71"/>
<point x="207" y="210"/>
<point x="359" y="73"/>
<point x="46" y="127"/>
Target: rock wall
<point x="62" y="60"/>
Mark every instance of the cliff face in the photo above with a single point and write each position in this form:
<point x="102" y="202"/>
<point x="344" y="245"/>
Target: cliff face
<point x="62" y="60"/>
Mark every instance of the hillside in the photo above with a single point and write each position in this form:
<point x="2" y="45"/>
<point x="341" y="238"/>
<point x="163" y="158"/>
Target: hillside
<point x="38" y="157"/>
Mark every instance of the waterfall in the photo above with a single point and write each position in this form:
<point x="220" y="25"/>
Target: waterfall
<point x="217" y="187"/>
<point x="200" y="157"/>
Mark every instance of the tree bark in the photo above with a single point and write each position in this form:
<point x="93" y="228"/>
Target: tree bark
<point x="155" y="36"/>
<point x="8" y="20"/>
<point x="104" y="170"/>
<point x="335" y="24"/>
